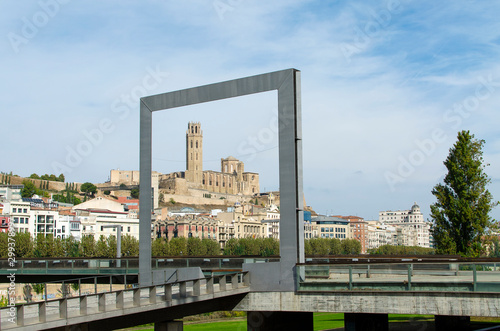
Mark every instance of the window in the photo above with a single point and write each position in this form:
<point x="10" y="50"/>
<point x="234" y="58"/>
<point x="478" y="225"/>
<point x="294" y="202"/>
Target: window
<point x="191" y="144"/>
<point x="128" y="229"/>
<point x="102" y="228"/>
<point x="25" y="210"/>
<point x="16" y="219"/>
<point x="196" y="144"/>
<point x="63" y="228"/>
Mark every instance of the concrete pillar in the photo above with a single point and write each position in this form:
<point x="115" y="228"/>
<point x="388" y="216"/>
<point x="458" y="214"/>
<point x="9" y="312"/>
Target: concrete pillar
<point x="279" y="320"/>
<point x="169" y="326"/>
<point x="366" y="322"/>
<point x="444" y="322"/>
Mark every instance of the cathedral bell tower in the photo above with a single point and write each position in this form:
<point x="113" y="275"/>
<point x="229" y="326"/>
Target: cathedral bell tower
<point x="194" y="153"/>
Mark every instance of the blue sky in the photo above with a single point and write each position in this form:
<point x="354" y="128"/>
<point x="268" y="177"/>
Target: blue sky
<point x="386" y="86"/>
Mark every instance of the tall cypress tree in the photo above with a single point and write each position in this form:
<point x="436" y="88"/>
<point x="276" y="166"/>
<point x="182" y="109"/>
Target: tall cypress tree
<point x="461" y="213"/>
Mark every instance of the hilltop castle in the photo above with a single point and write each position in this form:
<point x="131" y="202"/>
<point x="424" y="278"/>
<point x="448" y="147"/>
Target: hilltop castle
<point x="194" y="182"/>
<point x="232" y="179"/>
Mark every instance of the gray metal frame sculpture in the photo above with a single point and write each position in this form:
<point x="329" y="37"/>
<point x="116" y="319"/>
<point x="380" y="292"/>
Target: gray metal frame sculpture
<point x="287" y="83"/>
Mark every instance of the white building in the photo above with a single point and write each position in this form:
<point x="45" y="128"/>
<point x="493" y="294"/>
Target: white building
<point x="19" y="213"/>
<point x="43" y="221"/>
<point x="380" y="234"/>
<point x="415" y="230"/>
<point x="332" y="227"/>
<point x="95" y="221"/>
<point x="94" y="215"/>
<point x="11" y="192"/>
<point x="68" y="226"/>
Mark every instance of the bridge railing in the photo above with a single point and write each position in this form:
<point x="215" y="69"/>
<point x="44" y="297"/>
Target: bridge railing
<point x="77" y="297"/>
<point x="452" y="276"/>
<point x="82" y="266"/>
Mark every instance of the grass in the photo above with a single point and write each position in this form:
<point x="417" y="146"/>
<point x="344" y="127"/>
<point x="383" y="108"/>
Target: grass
<point x="324" y="321"/>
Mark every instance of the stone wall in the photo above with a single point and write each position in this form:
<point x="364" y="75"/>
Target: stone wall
<point x="53" y="186"/>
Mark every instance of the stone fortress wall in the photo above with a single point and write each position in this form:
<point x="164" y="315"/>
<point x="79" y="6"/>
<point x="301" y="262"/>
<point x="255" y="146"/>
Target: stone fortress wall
<point x="195" y="185"/>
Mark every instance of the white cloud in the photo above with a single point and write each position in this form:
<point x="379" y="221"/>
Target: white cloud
<point x="361" y="114"/>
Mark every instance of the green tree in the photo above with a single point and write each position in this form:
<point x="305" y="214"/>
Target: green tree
<point x="269" y="246"/>
<point x="24" y="244"/>
<point x="87" y="246"/>
<point x="4" y="239"/>
<point x="351" y="247"/>
<point x="107" y="192"/>
<point x="111" y="249"/>
<point x="88" y="189"/>
<point x="134" y="193"/>
<point x="178" y="246"/>
<point x="71" y="247"/>
<point x="44" y="245"/>
<point x="38" y="288"/>
<point x="28" y="190"/>
<point x="494" y="247"/>
<point x="159" y="247"/>
<point x="101" y="247"/>
<point x="212" y="247"/>
<point x="34" y="176"/>
<point x="130" y="245"/>
<point x="250" y="246"/>
<point x="232" y="247"/>
<point x="58" y="250"/>
<point x="335" y="246"/>
<point x="195" y="247"/>
<point x="60" y="178"/>
<point x="461" y="214"/>
<point x="319" y="246"/>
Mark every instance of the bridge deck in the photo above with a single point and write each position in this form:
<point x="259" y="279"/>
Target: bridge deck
<point x="121" y="303"/>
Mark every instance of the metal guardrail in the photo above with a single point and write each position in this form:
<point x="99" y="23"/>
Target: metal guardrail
<point x="123" y="266"/>
<point x="154" y="293"/>
<point x="455" y="277"/>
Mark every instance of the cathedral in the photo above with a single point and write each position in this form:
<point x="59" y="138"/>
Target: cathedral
<point x="230" y="180"/>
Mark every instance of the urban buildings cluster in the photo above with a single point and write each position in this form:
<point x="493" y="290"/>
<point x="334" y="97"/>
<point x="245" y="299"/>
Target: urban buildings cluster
<point x="101" y="216"/>
<point x="241" y="210"/>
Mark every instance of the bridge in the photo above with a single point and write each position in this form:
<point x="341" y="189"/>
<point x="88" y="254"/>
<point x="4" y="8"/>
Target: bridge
<point x="123" y="270"/>
<point x="278" y="295"/>
<point x="365" y="289"/>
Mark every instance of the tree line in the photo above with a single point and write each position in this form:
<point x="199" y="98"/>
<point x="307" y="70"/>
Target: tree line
<point x="50" y="177"/>
<point x="106" y="247"/>
<point x="47" y="246"/>
<point x="401" y="250"/>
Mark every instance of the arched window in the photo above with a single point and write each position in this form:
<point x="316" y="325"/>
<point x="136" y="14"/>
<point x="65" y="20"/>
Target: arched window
<point x="196" y="144"/>
<point x="196" y="130"/>
<point x="192" y="129"/>
<point x="197" y="158"/>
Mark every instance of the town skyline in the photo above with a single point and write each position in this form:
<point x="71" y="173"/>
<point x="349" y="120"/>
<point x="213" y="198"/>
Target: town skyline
<point x="385" y="89"/>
